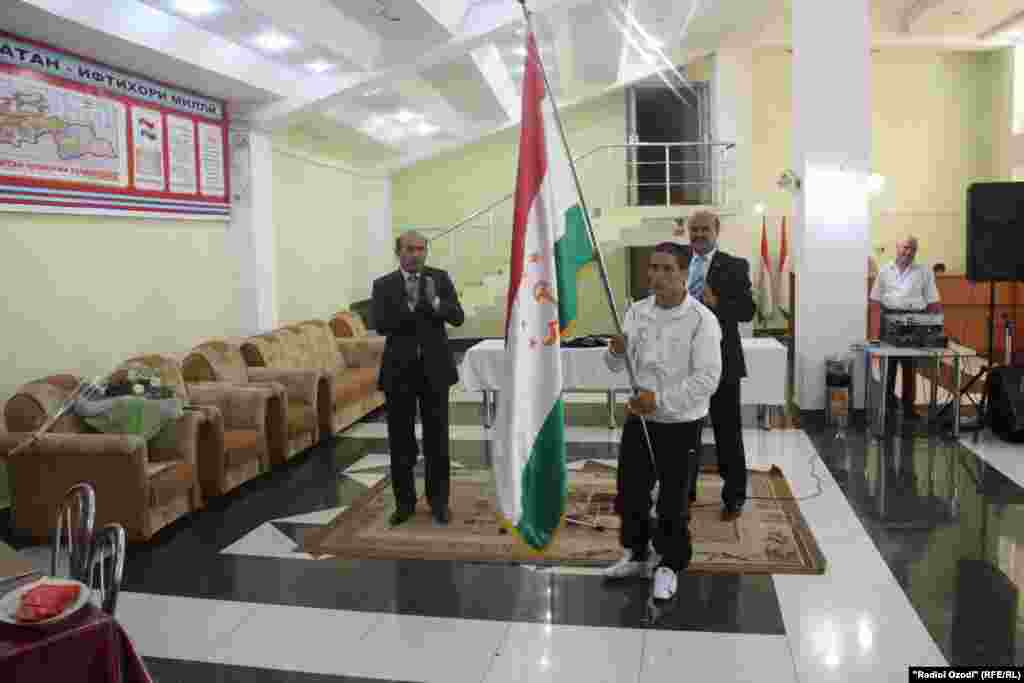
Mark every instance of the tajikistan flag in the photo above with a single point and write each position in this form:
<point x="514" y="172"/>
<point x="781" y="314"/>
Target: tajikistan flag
<point x="549" y="244"/>
<point x="765" y="278"/>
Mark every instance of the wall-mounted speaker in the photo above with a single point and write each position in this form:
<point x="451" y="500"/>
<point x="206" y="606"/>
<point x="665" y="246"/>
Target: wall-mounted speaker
<point x="995" y="232"/>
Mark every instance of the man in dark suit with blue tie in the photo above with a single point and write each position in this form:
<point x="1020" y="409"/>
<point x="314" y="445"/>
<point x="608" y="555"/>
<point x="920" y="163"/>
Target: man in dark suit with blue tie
<point x="410" y="307"/>
<point x="722" y="282"/>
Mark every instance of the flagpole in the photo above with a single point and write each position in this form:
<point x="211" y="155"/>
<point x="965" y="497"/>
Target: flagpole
<point x="527" y="14"/>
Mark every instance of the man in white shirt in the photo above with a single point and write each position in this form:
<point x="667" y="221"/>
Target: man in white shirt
<point x="905" y="286"/>
<point x="674" y="343"/>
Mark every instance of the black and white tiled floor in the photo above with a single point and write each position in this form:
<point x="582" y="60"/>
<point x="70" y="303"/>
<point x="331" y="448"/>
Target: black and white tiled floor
<point x="921" y="538"/>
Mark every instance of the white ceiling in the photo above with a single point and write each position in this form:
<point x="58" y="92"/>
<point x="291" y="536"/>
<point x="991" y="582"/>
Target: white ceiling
<point x="406" y="79"/>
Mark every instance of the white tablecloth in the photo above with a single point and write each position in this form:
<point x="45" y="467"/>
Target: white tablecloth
<point x="483" y="369"/>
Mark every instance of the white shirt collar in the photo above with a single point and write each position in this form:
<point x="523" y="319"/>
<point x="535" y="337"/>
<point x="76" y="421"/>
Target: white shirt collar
<point x="676" y="311"/>
<point x="708" y="256"/>
<point x="406" y="274"/>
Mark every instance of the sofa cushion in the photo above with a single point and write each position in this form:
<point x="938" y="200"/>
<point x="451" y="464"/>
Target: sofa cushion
<point x="323" y="342"/>
<point x="263" y="351"/>
<point x="296" y="352"/>
<point x="301" y="418"/>
<point x="168" y="480"/>
<point x="354" y="384"/>
<point x="302" y="342"/>
<point x="215" y="361"/>
<point x="348" y="324"/>
<point x="241" y="446"/>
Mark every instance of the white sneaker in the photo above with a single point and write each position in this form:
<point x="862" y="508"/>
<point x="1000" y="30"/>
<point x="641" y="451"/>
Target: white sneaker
<point x="627" y="567"/>
<point x="665" y="583"/>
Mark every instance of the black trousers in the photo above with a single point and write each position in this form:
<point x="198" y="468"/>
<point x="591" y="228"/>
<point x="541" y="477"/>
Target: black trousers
<point x="408" y="391"/>
<point x="908" y="382"/>
<point x="727" y="422"/>
<point x="636" y="481"/>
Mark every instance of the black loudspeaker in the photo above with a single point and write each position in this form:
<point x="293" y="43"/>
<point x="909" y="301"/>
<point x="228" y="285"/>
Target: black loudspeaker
<point x="995" y="232"/>
<point x="1006" y="403"/>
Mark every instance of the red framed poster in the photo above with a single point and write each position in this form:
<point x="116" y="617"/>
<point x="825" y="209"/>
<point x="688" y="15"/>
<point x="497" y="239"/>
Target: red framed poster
<point x="79" y="137"/>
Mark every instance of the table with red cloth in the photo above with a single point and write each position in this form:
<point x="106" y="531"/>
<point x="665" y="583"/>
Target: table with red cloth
<point x="89" y="646"/>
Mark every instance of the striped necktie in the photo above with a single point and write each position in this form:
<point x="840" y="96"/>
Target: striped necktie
<point x="412" y="288"/>
<point x="696" y="279"/>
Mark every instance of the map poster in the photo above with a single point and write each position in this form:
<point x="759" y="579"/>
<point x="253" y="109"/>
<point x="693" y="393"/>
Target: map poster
<point x="181" y="150"/>
<point x="80" y="137"/>
<point x="211" y="161"/>
<point x="148" y="147"/>
<point x="49" y="133"/>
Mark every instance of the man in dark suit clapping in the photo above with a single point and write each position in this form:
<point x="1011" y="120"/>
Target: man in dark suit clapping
<point x="722" y="281"/>
<point x="410" y="307"/>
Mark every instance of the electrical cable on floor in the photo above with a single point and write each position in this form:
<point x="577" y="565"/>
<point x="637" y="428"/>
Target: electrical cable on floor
<point x="819" y="489"/>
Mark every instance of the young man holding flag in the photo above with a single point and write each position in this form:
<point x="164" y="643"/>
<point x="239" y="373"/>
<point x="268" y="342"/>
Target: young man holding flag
<point x="674" y="343"/>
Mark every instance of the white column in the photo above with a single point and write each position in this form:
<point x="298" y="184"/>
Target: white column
<point x="732" y="106"/>
<point x="832" y="154"/>
<point x="252" y="236"/>
<point x="380" y="240"/>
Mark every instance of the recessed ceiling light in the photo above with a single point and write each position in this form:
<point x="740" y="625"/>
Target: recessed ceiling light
<point x="424" y="128"/>
<point x="272" y="41"/>
<point x="319" y="66"/>
<point x="406" y="116"/>
<point x="195" y="8"/>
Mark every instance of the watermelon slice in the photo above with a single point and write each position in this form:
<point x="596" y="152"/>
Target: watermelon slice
<point x="45" y="601"/>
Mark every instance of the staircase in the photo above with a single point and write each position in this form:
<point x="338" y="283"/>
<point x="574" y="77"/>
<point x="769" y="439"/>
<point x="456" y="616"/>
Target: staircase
<point x="476" y="250"/>
<point x="483" y="289"/>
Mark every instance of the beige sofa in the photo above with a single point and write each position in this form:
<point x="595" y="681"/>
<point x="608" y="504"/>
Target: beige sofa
<point x="351" y="366"/>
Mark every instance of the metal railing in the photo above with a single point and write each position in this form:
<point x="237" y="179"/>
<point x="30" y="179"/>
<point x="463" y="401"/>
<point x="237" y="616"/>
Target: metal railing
<point x="612" y="176"/>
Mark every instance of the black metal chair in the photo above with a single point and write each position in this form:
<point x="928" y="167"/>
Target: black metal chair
<point x="72" y="534"/>
<point x="107" y="566"/>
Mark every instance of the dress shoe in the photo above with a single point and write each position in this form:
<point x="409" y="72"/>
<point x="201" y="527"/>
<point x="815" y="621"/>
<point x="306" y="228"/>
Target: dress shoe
<point x="443" y="515"/>
<point x="731" y="511"/>
<point x="401" y="515"/>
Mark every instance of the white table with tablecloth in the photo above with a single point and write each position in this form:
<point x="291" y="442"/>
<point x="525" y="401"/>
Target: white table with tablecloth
<point x="484" y="369"/>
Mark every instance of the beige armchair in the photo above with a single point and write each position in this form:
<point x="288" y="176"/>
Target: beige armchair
<point x="282" y="351"/>
<point x="236" y="434"/>
<point x="362" y="348"/>
<point x="351" y="366"/>
<point x="293" y="421"/>
<point x="143" y="487"/>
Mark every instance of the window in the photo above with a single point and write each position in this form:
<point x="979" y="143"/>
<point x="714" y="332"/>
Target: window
<point x="672" y="165"/>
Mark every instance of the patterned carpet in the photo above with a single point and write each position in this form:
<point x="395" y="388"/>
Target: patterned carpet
<point x="771" y="537"/>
